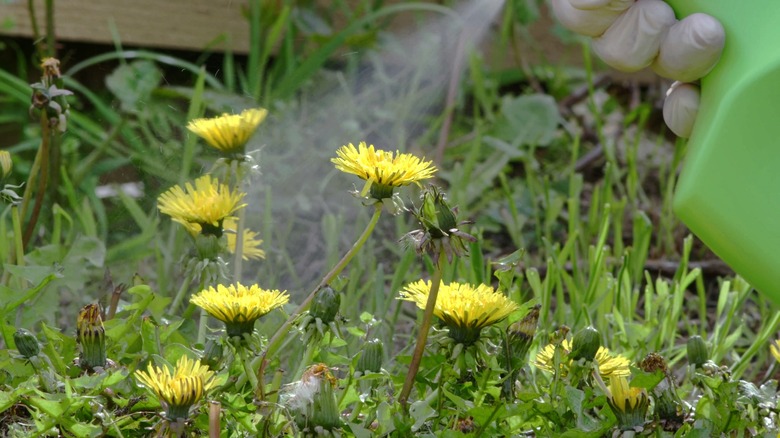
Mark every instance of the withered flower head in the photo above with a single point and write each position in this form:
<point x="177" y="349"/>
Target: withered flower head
<point x="51" y="68"/>
<point x="653" y="362"/>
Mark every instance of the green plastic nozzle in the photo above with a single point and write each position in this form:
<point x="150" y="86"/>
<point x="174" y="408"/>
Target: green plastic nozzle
<point x="729" y="190"/>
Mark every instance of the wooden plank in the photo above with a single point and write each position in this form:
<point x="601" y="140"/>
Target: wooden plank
<point x="199" y="24"/>
<point x="179" y="24"/>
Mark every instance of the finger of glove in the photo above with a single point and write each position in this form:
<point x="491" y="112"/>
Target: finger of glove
<point x="611" y="5"/>
<point x="691" y="48"/>
<point x="681" y="108"/>
<point x="631" y="43"/>
<point x="585" y="22"/>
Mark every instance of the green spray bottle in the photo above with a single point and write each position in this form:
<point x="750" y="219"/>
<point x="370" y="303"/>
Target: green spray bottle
<point x="728" y="193"/>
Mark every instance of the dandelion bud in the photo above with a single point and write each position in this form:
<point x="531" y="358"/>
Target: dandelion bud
<point x="209" y="246"/>
<point x="92" y="337"/>
<point x="520" y="335"/>
<point x="436" y="214"/>
<point x="312" y="401"/>
<point x="667" y="407"/>
<point x="697" y="351"/>
<point x="6" y="165"/>
<point x="325" y="410"/>
<point x="325" y="305"/>
<point x="371" y="357"/>
<point x="28" y="346"/>
<point x="585" y="344"/>
<point x="212" y="354"/>
<point x="26" y="343"/>
<point x="628" y="404"/>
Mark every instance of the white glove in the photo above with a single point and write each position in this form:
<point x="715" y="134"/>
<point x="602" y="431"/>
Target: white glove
<point x="630" y="35"/>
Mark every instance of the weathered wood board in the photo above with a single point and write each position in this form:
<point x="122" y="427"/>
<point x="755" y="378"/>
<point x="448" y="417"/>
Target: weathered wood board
<point x="178" y="24"/>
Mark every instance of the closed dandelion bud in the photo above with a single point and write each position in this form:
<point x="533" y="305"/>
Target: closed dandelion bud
<point x="445" y="215"/>
<point x="26" y="343"/>
<point x="667" y="408"/>
<point x="519" y="337"/>
<point x="436" y="215"/>
<point x="6" y="165"/>
<point x="209" y="246"/>
<point x="521" y="334"/>
<point x="212" y="354"/>
<point x="325" y="411"/>
<point x="585" y="344"/>
<point x="312" y="401"/>
<point x="28" y="346"/>
<point x="325" y="305"/>
<point x="370" y="359"/>
<point x="697" y="351"/>
<point x="92" y="337"/>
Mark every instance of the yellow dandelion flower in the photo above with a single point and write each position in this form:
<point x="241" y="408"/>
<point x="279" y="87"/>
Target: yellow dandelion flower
<point x="609" y="364"/>
<point x="628" y="403"/>
<point x="382" y="170"/>
<point x="207" y="204"/>
<point x="239" y="306"/>
<point x="229" y="133"/>
<point x="179" y="390"/>
<point x="251" y="248"/>
<point x="463" y="308"/>
<point x="774" y="348"/>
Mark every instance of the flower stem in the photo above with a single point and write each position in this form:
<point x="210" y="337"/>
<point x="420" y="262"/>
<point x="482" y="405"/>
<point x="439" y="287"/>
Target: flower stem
<point x="214" y="420"/>
<point x="247" y="366"/>
<point x="277" y="338"/>
<point x="422" y="336"/>
<point x="239" y="250"/>
<point x="43" y="153"/>
<point x="306" y="360"/>
<point x="204" y="317"/>
<point x="19" y="245"/>
<point x="182" y="290"/>
<point x="17" y="224"/>
<point x="202" y="323"/>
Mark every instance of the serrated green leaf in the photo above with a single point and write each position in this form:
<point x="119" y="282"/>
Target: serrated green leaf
<point x="134" y="83"/>
<point x="642" y="379"/>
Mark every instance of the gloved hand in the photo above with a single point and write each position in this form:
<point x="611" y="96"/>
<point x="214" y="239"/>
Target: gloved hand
<point x="630" y="35"/>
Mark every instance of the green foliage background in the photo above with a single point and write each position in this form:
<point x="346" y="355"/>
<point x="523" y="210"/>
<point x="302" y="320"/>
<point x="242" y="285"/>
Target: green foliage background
<point x="567" y="180"/>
